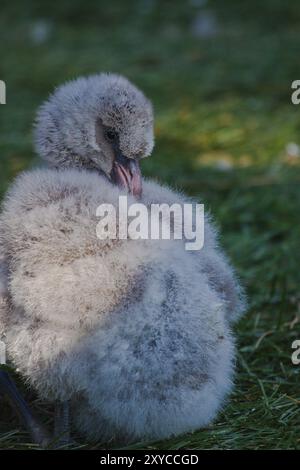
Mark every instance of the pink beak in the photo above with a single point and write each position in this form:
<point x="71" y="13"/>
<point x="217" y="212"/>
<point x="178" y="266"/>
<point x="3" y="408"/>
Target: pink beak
<point x="126" y="174"/>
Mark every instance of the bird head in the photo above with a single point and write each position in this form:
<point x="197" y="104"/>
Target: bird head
<point x="101" y="123"/>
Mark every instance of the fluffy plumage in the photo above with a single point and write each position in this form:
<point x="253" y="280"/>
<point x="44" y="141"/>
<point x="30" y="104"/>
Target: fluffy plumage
<point x="67" y="123"/>
<point x="135" y="333"/>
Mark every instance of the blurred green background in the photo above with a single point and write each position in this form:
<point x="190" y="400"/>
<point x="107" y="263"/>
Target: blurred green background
<point x="219" y="74"/>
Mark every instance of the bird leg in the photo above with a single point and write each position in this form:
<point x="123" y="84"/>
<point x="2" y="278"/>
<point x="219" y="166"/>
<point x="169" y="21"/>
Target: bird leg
<point x="62" y="423"/>
<point x="36" y="430"/>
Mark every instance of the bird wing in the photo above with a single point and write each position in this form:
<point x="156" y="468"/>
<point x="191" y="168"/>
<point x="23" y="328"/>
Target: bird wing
<point x="214" y="263"/>
<point x="60" y="270"/>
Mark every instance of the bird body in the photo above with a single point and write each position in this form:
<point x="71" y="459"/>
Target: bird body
<point x="135" y="334"/>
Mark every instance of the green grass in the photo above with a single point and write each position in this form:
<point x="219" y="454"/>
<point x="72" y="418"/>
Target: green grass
<point x="223" y="122"/>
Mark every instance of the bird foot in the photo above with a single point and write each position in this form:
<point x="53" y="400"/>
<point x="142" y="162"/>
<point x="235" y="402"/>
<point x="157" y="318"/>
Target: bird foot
<point x="62" y="438"/>
<point x="38" y="433"/>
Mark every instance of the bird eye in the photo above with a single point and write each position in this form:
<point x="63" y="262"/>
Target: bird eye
<point x="111" y="135"/>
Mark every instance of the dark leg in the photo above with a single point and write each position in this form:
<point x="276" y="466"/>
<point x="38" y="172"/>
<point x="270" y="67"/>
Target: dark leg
<point x="62" y="424"/>
<point x="36" y="430"/>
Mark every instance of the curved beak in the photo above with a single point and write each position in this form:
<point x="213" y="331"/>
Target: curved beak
<point x="126" y="174"/>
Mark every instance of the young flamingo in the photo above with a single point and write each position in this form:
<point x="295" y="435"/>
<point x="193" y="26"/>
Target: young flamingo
<point x="132" y="337"/>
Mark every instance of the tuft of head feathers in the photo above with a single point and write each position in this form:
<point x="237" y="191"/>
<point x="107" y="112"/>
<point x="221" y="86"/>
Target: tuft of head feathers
<point x="68" y="122"/>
